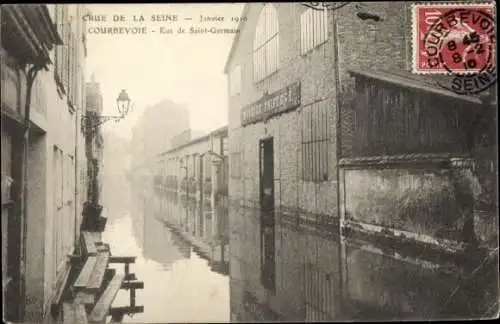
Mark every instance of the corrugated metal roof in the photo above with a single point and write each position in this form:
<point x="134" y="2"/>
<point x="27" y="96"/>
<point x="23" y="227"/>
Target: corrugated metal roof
<point x="428" y="83"/>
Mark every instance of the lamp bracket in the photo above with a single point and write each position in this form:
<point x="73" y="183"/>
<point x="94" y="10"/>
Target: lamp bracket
<point x="94" y="121"/>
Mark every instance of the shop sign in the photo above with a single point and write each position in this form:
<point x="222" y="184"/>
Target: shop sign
<point x="278" y="102"/>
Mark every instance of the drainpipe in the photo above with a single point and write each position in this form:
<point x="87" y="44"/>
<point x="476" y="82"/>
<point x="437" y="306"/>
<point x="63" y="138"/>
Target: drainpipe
<point x="337" y="151"/>
<point x="76" y="166"/>
<point x="30" y="78"/>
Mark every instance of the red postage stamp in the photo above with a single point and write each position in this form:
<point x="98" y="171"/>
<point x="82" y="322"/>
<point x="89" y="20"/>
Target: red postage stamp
<point x="453" y="38"/>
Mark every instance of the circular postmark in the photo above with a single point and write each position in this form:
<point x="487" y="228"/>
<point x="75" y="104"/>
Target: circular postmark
<point x="325" y="5"/>
<point x="462" y="43"/>
<point x="475" y="83"/>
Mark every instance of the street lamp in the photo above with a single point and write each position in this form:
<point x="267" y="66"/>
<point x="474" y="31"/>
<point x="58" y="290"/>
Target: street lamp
<point x="123" y="104"/>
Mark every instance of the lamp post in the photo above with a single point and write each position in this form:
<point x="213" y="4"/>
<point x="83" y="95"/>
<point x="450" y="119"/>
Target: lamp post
<point x="123" y="103"/>
<point x="92" y="219"/>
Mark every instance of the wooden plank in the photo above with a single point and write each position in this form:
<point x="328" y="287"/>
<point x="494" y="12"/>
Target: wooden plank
<point x="85" y="298"/>
<point x="133" y="285"/>
<point x="80" y="314"/>
<point x="130" y="277"/>
<point x="88" y="243"/>
<point x="84" y="277"/>
<point x="103" y="305"/>
<point x="102" y="247"/>
<point x="122" y="259"/>
<point x="97" y="275"/>
<point x="60" y="289"/>
<point x="96" y="237"/>
<point x="69" y="313"/>
<point x="118" y="311"/>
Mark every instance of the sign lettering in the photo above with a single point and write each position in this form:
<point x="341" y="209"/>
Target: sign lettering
<point x="278" y="102"/>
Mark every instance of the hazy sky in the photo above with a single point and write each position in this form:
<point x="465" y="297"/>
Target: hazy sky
<point x="184" y="68"/>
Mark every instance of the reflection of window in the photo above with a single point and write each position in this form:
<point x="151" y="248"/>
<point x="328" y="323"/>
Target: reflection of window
<point x="236" y="165"/>
<point x="313" y="29"/>
<point x="315" y="136"/>
<point x="266" y="44"/>
<point x="318" y="293"/>
<point x="235" y="81"/>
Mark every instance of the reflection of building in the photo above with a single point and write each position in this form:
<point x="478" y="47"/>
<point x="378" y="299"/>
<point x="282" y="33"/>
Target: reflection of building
<point x="151" y="135"/>
<point x="182" y="245"/>
<point x="116" y="165"/>
<point x="157" y="239"/>
<point x="190" y="182"/>
<point x="333" y="170"/>
<point x="40" y="212"/>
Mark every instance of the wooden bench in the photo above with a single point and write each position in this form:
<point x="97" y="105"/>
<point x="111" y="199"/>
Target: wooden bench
<point x="74" y="313"/>
<point x="103" y="305"/>
<point x="91" y="277"/>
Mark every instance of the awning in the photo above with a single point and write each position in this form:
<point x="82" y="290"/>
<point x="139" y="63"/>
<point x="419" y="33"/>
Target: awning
<point x="29" y="34"/>
<point x="426" y="83"/>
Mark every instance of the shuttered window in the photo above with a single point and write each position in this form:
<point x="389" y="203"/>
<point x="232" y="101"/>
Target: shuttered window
<point x="59" y="50"/>
<point x="266" y="44"/>
<point x="315" y="141"/>
<point x="66" y="47"/>
<point x="59" y="204"/>
<point x="313" y="29"/>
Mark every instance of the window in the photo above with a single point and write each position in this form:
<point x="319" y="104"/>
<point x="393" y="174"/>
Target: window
<point x="236" y="165"/>
<point x="315" y="136"/>
<point x="59" y="49"/>
<point x="235" y="81"/>
<point x="313" y="29"/>
<point x="58" y="199"/>
<point x="266" y="44"/>
<point x="66" y="47"/>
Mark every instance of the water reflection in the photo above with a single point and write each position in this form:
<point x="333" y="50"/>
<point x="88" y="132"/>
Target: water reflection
<point x="178" y="284"/>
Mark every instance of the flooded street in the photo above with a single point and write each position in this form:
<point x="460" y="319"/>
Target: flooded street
<point x="178" y="284"/>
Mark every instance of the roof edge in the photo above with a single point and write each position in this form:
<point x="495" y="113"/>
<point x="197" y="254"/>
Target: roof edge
<point x="236" y="37"/>
<point x="410" y="83"/>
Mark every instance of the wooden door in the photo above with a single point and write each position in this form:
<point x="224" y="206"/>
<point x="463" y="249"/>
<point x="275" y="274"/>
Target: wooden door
<point x="267" y="218"/>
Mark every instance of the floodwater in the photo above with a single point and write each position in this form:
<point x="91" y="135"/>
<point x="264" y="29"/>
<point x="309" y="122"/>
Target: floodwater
<point x="178" y="284"/>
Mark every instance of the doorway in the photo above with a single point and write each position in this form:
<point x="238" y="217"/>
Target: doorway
<point x="267" y="217"/>
<point x="12" y="285"/>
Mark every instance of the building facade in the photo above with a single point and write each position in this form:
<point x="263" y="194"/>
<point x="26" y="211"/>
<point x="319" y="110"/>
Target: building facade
<point x="155" y="128"/>
<point x="43" y="183"/>
<point x="304" y="227"/>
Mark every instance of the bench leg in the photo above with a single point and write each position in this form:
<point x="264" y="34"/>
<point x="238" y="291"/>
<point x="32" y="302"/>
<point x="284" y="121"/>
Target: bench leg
<point x="127" y="269"/>
<point x="132" y="297"/>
